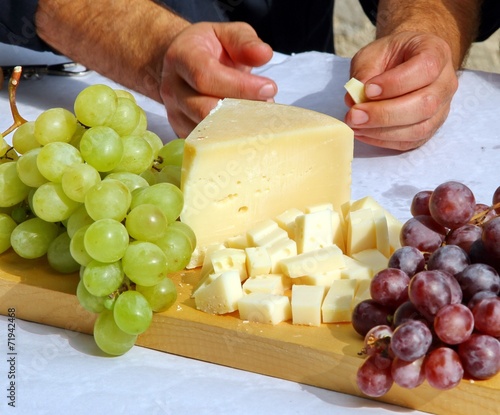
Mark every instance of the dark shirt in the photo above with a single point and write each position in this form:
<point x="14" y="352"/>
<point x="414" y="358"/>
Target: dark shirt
<point x="289" y="26"/>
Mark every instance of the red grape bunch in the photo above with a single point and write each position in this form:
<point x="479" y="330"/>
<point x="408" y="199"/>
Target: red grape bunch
<point x="434" y="312"/>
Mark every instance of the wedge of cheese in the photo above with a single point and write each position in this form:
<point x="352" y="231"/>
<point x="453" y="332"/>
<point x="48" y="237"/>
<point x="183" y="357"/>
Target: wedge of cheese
<point x="248" y="161"/>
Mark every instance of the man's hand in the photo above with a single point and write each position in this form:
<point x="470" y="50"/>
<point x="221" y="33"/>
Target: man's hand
<point x="210" y="61"/>
<point x="409" y="80"/>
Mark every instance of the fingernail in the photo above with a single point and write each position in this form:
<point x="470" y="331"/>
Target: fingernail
<point x="267" y="91"/>
<point x="358" y="117"/>
<point x="373" y="90"/>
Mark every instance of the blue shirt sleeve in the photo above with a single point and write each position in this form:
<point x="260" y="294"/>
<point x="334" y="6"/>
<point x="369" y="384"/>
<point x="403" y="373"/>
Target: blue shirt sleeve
<point x="17" y="24"/>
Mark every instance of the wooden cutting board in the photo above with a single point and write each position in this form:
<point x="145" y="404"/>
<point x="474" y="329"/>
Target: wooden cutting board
<point x="325" y="356"/>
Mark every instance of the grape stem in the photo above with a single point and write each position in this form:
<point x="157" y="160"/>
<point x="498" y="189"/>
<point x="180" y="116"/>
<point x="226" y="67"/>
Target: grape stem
<point x="13" y="84"/>
<point x="478" y="218"/>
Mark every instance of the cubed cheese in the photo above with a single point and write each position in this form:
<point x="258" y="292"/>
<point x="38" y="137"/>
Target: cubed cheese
<point x="258" y="261"/>
<point x="285" y="248"/>
<point x="251" y="160"/>
<point x="381" y="232"/>
<point x="306" y="304"/>
<point x="313" y="262"/>
<point x="265" y="308"/>
<point x="313" y="230"/>
<point x="356" y="90"/>
<point x="360" y="231"/>
<point x="230" y="259"/>
<point x="286" y="221"/>
<point x="268" y="283"/>
<point x="355" y="270"/>
<point x="393" y="224"/>
<point x="372" y="258"/>
<point x="238" y="242"/>
<point x="362" y="292"/>
<point x="324" y="279"/>
<point x="220" y="295"/>
<point x="336" y="307"/>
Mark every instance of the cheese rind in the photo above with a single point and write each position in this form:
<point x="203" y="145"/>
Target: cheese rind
<point x="248" y="161"/>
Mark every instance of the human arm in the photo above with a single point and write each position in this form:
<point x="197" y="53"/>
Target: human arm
<point x="410" y="70"/>
<point x="151" y="50"/>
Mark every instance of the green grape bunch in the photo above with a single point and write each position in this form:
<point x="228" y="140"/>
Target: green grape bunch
<point x="95" y="192"/>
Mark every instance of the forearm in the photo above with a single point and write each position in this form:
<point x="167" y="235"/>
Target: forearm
<point x="454" y="21"/>
<point x="122" y="40"/>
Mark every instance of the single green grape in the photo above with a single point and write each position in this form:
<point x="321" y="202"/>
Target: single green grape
<point x="77" y="247"/>
<point x="146" y="222"/>
<point x="172" y="153"/>
<point x="77" y="135"/>
<point x="54" y="125"/>
<point x="109" y="337"/>
<point x="154" y="141"/>
<point x="51" y="203"/>
<point x="132" y="312"/>
<point x="150" y="176"/>
<point x="170" y="174"/>
<point x="160" y="296"/>
<point x="102" y="279"/>
<point x="77" y="180"/>
<point x="131" y="180"/>
<point x="144" y="263"/>
<point x="126" y="117"/>
<point x="102" y="148"/>
<point x="95" y="105"/>
<point x="88" y="301"/>
<point x="109" y="199"/>
<point x="24" y="139"/>
<point x="27" y="169"/>
<point x="166" y="196"/>
<point x="4" y="146"/>
<point x="142" y="126"/>
<point x="137" y="155"/>
<point x="7" y="226"/>
<point x="32" y="238"/>
<point x="106" y="240"/>
<point x="12" y="189"/>
<point x="176" y="245"/>
<point x="59" y="255"/>
<point x="78" y="219"/>
<point x="186" y="229"/>
<point x="54" y="158"/>
<point x="123" y="93"/>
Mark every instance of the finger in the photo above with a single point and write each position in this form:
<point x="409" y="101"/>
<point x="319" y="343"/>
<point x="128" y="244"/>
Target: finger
<point x="406" y="110"/>
<point x="214" y="78"/>
<point x="423" y="68"/>
<point x="180" y="123"/>
<point x="186" y="107"/>
<point x="243" y="45"/>
<point x="402" y="137"/>
<point x="392" y="145"/>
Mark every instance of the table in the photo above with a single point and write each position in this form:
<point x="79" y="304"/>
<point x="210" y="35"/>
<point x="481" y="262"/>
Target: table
<point x="63" y="372"/>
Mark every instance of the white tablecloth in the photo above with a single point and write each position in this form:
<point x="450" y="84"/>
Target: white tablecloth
<point x="63" y="372"/>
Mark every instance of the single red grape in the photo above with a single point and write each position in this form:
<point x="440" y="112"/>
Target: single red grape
<point x="443" y="369"/>
<point x="452" y="204"/>
<point x="454" y="323"/>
